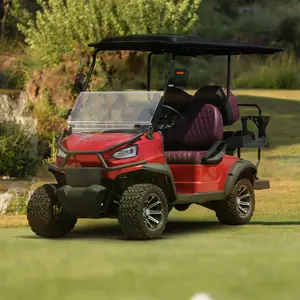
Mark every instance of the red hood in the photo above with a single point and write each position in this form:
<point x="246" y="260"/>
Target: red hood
<point x="94" y="142"/>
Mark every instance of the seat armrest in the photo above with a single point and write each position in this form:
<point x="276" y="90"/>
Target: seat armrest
<point x="215" y="154"/>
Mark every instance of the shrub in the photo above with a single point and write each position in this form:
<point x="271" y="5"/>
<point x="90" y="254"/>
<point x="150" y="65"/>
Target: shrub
<point x="17" y="155"/>
<point x="276" y="72"/>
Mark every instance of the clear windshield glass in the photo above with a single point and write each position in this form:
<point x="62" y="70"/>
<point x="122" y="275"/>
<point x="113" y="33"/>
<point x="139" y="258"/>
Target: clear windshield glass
<point x="102" y="111"/>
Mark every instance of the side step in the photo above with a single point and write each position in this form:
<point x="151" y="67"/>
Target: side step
<point x="199" y="198"/>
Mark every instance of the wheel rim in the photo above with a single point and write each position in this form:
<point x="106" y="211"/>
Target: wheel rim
<point x="243" y="200"/>
<point x="153" y="212"/>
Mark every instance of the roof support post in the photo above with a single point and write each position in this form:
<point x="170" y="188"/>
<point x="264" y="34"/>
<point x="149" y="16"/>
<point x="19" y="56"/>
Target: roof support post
<point x="149" y="71"/>
<point x="90" y="73"/>
<point x="161" y="102"/>
<point x="171" y="69"/>
<point x="228" y="76"/>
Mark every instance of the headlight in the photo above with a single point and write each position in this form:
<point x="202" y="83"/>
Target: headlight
<point x="126" y="153"/>
<point x="61" y="154"/>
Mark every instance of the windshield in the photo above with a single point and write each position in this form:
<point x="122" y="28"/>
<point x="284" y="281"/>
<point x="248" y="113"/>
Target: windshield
<point x="103" y="111"/>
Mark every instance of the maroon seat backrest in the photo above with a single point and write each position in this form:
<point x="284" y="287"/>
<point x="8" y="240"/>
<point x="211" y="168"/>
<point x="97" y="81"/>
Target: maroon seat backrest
<point x="202" y="127"/>
<point x="217" y="96"/>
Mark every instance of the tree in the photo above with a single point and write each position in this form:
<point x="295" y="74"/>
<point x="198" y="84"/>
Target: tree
<point x="60" y="24"/>
<point x="13" y="12"/>
<point x="5" y="7"/>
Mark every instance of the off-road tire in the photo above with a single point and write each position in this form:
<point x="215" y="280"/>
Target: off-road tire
<point x="130" y="212"/>
<point x="182" y="207"/>
<point x="228" y="213"/>
<point x="41" y="217"/>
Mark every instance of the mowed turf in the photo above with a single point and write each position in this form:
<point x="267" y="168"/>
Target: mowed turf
<point x="196" y="254"/>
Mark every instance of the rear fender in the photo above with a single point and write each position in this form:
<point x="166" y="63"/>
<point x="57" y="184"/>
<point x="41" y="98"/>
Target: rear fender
<point x="241" y="168"/>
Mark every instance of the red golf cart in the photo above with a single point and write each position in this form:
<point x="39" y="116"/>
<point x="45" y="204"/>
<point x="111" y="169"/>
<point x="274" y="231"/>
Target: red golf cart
<point x="135" y="155"/>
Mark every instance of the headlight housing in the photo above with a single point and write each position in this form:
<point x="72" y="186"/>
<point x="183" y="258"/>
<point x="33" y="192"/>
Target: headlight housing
<point x="129" y="152"/>
<point x="61" y="154"/>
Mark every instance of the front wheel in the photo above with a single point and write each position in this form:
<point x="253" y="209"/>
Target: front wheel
<point x="143" y="212"/>
<point x="239" y="206"/>
<point x="45" y="215"/>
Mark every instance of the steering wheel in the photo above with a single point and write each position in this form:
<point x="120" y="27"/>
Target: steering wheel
<point x="169" y="117"/>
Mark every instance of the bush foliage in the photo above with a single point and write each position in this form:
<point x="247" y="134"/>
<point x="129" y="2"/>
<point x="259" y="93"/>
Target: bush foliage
<point x="17" y="155"/>
<point x="63" y="23"/>
<point x="276" y="72"/>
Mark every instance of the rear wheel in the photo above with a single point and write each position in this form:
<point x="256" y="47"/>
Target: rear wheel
<point x="240" y="205"/>
<point x="45" y="214"/>
<point x="143" y="212"/>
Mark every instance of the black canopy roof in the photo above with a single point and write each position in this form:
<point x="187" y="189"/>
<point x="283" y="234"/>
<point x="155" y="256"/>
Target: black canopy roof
<point x="187" y="45"/>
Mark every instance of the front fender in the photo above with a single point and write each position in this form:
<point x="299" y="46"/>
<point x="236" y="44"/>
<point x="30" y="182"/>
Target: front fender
<point x="163" y="169"/>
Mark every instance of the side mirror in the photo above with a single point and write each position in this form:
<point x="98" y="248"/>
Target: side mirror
<point x="79" y="82"/>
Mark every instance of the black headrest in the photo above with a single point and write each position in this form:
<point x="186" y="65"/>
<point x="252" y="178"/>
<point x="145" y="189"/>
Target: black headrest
<point x="178" y="98"/>
<point x="216" y="95"/>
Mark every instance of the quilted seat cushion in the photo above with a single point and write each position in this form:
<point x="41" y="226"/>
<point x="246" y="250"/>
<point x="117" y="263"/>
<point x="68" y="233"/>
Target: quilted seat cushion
<point x="202" y="127"/>
<point x="184" y="157"/>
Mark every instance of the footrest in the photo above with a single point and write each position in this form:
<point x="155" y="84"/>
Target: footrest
<point x="261" y="184"/>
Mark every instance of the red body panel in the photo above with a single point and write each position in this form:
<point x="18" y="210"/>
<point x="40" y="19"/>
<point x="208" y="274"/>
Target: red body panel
<point x="189" y="179"/>
<point x="149" y="150"/>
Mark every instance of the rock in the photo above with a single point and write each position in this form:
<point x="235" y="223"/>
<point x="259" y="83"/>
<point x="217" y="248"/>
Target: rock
<point x="14" y="107"/>
<point x="5" y="178"/>
<point x="5" y="199"/>
<point x="14" y="200"/>
<point x="14" y="195"/>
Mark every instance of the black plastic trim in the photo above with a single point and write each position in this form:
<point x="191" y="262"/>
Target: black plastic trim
<point x="199" y="198"/>
<point x="252" y="105"/>
<point x="162" y="169"/>
<point x="82" y="202"/>
<point x="235" y="172"/>
<point x="62" y="169"/>
<point x="215" y="154"/>
<point x="261" y="184"/>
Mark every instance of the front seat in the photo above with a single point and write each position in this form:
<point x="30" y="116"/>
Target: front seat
<point x="190" y="139"/>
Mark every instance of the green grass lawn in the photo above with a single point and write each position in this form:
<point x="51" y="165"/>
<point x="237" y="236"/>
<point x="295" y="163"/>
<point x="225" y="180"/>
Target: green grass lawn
<point x="196" y="254"/>
<point x="257" y="261"/>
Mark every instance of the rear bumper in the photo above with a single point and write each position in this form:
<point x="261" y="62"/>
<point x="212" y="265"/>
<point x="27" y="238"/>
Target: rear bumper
<point x="261" y="184"/>
<point x="82" y="201"/>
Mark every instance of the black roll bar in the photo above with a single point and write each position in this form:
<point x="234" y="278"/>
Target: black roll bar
<point x="228" y="76"/>
<point x="90" y="73"/>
